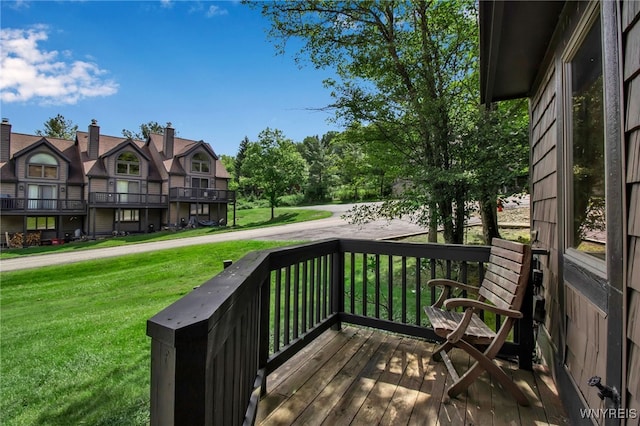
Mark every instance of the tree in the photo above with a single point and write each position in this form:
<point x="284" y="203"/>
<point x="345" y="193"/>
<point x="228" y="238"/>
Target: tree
<point x="321" y="161"/>
<point x="273" y="165"/>
<point x="229" y="163"/>
<point x="145" y="130"/>
<point x="240" y="156"/>
<point x="58" y="127"/>
<point x="404" y="67"/>
<point x="497" y="157"/>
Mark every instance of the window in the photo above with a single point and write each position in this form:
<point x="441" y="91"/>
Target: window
<point x="127" y="215"/>
<point x="200" y="163"/>
<point x="128" y="164"/>
<point x="42" y="197"/>
<point x="128" y="191"/>
<point x="199" y="209"/>
<point x="586" y="197"/>
<point x="42" y="166"/>
<point x="41" y="223"/>
<point x="199" y="183"/>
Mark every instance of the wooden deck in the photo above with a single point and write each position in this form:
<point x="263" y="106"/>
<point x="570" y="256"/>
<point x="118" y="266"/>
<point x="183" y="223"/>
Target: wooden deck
<point x="361" y="376"/>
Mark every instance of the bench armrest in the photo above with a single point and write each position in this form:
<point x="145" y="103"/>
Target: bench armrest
<point x="476" y="304"/>
<point x="449" y="285"/>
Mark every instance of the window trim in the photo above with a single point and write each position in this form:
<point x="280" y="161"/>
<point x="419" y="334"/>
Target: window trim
<point x="47" y="222"/>
<point x="120" y="215"/>
<point x="593" y="264"/>
<point x="42" y="167"/>
<point x="128" y="164"/>
<point x="195" y="162"/>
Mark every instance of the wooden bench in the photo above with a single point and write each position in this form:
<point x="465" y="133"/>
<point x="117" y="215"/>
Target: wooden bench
<point x="501" y="292"/>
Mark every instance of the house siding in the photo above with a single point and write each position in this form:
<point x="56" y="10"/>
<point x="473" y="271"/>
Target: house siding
<point x="544" y="200"/>
<point x="631" y="90"/>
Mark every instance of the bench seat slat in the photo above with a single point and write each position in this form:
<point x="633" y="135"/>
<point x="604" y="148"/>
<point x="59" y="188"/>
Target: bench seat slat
<point x="444" y="322"/>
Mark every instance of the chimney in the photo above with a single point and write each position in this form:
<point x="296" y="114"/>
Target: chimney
<point x="167" y="141"/>
<point x="5" y="141"/>
<point x="94" y="140"/>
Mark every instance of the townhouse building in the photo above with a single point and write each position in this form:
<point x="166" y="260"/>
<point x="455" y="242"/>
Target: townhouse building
<point x="98" y="185"/>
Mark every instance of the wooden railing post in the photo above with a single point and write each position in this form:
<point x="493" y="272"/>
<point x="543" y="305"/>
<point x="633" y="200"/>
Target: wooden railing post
<point x="337" y="286"/>
<point x="181" y="370"/>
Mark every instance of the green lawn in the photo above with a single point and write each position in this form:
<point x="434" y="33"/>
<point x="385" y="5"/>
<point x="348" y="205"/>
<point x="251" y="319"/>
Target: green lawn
<point x="246" y="219"/>
<point x="74" y="344"/>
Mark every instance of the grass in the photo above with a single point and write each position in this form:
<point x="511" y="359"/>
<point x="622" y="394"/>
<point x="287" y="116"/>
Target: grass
<point x="74" y="344"/>
<point x="246" y="219"/>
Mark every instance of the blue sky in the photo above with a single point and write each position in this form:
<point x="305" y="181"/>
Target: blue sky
<point x="206" y="67"/>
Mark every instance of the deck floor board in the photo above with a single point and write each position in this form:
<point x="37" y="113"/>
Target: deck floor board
<point x="364" y="377"/>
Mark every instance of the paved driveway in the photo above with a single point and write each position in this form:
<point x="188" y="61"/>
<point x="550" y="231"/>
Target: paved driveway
<point x="332" y="227"/>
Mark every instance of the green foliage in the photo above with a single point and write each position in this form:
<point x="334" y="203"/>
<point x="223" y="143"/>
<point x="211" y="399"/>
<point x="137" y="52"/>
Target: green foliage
<point x="145" y="130"/>
<point x="273" y="166"/>
<point x="404" y="70"/>
<point x="59" y="127"/>
<point x="229" y="164"/>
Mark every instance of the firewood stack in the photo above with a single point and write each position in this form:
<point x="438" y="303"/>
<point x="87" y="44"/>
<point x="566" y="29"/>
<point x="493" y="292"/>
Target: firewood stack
<point x="33" y="238"/>
<point x="17" y="240"/>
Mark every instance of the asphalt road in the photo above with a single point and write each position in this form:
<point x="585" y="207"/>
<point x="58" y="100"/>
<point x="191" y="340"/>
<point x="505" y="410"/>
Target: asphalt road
<point x="332" y="227"/>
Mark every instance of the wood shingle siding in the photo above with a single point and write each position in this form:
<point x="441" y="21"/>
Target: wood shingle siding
<point x="631" y="72"/>
<point x="544" y="197"/>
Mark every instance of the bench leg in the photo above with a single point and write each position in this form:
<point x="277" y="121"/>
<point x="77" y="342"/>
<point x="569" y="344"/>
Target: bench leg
<point x="446" y="346"/>
<point x="483" y="363"/>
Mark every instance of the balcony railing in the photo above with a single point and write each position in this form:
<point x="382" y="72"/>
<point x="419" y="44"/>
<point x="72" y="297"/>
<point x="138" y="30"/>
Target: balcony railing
<point x="202" y="194"/>
<point x="46" y="205"/>
<point x="212" y="350"/>
<point x="127" y="199"/>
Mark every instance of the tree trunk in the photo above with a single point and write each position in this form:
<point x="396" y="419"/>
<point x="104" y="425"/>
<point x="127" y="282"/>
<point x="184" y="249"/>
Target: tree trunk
<point x="272" y="211"/>
<point x="433" y="223"/>
<point x="489" y="217"/>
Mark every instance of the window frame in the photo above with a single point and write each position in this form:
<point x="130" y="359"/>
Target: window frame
<point x="200" y="162"/>
<point x="127" y="215"/>
<point x="49" y="223"/>
<point x="42" y="167"/>
<point x="128" y="164"/>
<point x="584" y="260"/>
<point x="199" y="209"/>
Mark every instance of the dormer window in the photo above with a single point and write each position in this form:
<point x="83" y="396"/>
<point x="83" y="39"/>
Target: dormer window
<point x="128" y="164"/>
<point x="200" y="163"/>
<point x="42" y="166"/>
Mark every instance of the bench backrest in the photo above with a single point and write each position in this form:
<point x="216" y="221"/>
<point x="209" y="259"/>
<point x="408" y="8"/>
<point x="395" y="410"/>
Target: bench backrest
<point x="507" y="275"/>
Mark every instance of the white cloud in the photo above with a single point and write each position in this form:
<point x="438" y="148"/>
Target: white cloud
<point x="214" y="10"/>
<point x="32" y="73"/>
<point x="167" y="4"/>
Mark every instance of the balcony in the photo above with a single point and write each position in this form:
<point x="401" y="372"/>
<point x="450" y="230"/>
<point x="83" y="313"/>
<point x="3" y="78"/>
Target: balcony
<point x="214" y="350"/>
<point x="115" y="199"/>
<point x="205" y="195"/>
<point x="42" y="205"/>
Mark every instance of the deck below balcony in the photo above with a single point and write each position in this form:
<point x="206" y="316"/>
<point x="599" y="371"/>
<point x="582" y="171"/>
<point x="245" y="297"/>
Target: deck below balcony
<point x="361" y="376"/>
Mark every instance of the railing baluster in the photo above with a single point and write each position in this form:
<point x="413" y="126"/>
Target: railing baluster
<point x="353" y="283"/>
<point x="318" y="289"/>
<point x="287" y="305"/>
<point x="364" y="283"/>
<point x="390" y="287"/>
<point x="312" y="293"/>
<point x="418" y="291"/>
<point x="296" y="298"/>
<point x="404" y="290"/>
<point x="277" y="307"/>
<point x="305" y="296"/>
<point x="448" y="263"/>
<point x="377" y="286"/>
<point x="325" y="281"/>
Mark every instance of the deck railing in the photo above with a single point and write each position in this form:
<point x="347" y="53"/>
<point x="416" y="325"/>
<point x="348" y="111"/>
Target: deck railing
<point x="213" y="349"/>
<point x="201" y="194"/>
<point x="127" y="199"/>
<point x="47" y="205"/>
